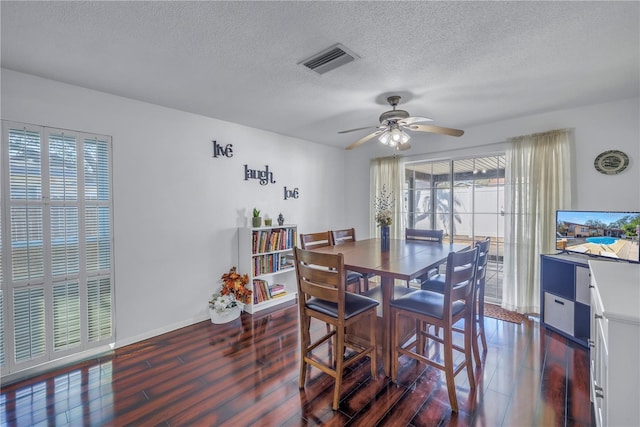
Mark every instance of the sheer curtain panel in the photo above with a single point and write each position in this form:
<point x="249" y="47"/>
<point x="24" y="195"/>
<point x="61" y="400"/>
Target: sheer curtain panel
<point x="387" y="172"/>
<point x="538" y="182"/>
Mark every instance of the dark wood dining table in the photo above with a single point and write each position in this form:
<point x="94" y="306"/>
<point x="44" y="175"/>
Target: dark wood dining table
<point x="405" y="260"/>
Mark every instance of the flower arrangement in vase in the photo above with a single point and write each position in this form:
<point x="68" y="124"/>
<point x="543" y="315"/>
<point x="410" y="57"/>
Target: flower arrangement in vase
<point x="383" y="205"/>
<point x="226" y="304"/>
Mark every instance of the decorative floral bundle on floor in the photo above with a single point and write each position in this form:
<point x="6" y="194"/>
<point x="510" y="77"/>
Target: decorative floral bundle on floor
<point x="383" y="206"/>
<point x="233" y="292"/>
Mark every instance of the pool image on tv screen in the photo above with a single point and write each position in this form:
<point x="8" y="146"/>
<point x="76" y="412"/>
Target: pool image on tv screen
<point x="599" y="233"/>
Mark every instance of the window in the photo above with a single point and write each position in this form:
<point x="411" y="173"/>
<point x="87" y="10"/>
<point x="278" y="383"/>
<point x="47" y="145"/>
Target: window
<point x="55" y="244"/>
<point x="465" y="199"/>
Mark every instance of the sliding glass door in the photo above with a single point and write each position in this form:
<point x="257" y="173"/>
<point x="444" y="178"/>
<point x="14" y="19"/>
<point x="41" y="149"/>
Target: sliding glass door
<point x="464" y="198"/>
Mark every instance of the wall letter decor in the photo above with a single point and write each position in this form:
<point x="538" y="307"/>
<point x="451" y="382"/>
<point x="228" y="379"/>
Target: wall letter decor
<point x="219" y="150"/>
<point x="264" y="176"/>
<point x="290" y="194"/>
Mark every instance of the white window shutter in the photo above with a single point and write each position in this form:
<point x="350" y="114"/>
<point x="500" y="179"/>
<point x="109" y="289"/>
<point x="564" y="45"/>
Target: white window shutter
<point x="66" y="316"/>
<point x="55" y="244"/>
<point x="99" y="299"/>
<point x="29" y="323"/>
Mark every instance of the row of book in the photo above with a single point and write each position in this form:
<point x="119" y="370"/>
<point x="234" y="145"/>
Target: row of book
<point x="263" y="292"/>
<point x="271" y="263"/>
<point x="276" y="239"/>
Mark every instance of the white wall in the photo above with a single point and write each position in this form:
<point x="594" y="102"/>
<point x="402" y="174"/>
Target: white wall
<point x="176" y="208"/>
<point x="600" y="127"/>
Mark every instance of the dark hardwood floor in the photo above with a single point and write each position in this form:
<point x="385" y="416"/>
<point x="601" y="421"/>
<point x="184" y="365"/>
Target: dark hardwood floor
<point x="245" y="373"/>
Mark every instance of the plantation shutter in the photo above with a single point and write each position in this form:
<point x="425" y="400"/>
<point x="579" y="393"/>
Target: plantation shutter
<point x="28" y="314"/>
<point x="56" y="270"/>
<point x="66" y="316"/>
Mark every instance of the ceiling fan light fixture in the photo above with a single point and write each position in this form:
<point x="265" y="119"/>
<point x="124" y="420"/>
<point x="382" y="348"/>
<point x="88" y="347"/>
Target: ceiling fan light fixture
<point x="393" y="125"/>
<point x="405" y="137"/>
<point x="394" y="136"/>
<point x="384" y="137"/>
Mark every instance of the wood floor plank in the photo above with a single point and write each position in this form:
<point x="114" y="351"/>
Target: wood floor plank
<point x="245" y="373"/>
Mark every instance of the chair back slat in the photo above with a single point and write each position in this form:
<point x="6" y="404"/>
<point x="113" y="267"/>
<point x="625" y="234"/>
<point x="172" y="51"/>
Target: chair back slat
<point x="320" y="275"/>
<point x="483" y="258"/>
<point x="341" y="236"/>
<point x="460" y="275"/>
<point x="423" y="235"/>
<point x="315" y="240"/>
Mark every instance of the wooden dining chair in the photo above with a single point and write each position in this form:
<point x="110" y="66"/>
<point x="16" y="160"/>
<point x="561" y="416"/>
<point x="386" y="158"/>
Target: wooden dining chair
<point x="427" y="236"/>
<point x="311" y="241"/>
<point x="437" y="284"/>
<point x="423" y="235"/>
<point x="441" y="310"/>
<point x="322" y="295"/>
<point x="339" y="237"/>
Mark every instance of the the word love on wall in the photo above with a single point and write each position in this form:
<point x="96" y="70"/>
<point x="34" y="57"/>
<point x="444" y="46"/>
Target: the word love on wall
<point x="263" y="176"/>
<point x="291" y="193"/>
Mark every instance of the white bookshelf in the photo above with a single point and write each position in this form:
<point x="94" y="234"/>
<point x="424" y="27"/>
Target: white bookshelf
<point x="266" y="255"/>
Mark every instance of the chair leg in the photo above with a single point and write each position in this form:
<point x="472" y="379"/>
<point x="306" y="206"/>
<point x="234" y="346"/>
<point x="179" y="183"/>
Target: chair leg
<point x="481" y="316"/>
<point x="448" y="365"/>
<point x="340" y="349"/>
<point x="373" y="318"/>
<point x="395" y="321"/>
<point x="474" y="334"/>
<point x="365" y="281"/>
<point x="469" y="338"/>
<point x="305" y="339"/>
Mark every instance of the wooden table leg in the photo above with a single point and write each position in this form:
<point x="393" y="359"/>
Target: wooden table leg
<point x="387" y="284"/>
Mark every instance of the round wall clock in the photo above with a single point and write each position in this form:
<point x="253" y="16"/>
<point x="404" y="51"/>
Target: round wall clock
<point x="611" y="162"/>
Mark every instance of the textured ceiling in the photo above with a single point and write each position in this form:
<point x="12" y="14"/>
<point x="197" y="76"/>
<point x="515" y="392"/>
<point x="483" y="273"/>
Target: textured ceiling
<point x="461" y="63"/>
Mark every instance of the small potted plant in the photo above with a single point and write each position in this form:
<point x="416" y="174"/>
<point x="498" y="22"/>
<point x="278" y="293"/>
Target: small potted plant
<point x="257" y="219"/>
<point x="226" y="304"/>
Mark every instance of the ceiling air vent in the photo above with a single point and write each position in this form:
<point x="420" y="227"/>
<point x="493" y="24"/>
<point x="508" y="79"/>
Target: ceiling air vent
<point x="329" y="59"/>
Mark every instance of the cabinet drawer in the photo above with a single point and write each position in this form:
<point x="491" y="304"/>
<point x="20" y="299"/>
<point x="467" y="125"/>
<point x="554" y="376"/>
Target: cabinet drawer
<point x="558" y="312"/>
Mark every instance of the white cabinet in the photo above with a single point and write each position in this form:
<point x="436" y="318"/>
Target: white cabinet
<point x="266" y="255"/>
<point x="615" y="342"/>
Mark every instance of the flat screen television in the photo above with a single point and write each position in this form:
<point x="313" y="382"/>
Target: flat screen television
<point x="599" y="233"/>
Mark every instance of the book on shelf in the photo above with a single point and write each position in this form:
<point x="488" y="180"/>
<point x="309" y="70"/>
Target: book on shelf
<point x="276" y="239"/>
<point x="260" y="291"/>
<point x="263" y="292"/>
<point x="277" y="289"/>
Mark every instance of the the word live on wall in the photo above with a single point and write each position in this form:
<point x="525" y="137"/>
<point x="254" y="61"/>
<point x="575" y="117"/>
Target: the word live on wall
<point x="263" y="176"/>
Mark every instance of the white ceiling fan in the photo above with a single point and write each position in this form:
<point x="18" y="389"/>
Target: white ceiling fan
<point x="393" y="124"/>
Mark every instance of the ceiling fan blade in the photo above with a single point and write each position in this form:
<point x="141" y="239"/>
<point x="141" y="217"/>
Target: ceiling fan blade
<point x="403" y="147"/>
<point x="364" y="139"/>
<point x="411" y="120"/>
<point x="353" y="130"/>
<point x="437" y="129"/>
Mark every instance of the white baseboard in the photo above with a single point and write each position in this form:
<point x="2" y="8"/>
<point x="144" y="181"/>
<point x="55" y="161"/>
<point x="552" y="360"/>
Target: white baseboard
<point x="160" y="331"/>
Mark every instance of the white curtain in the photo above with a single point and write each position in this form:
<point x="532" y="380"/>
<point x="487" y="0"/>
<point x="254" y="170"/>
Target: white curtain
<point x="538" y="182"/>
<point x="387" y="172"/>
